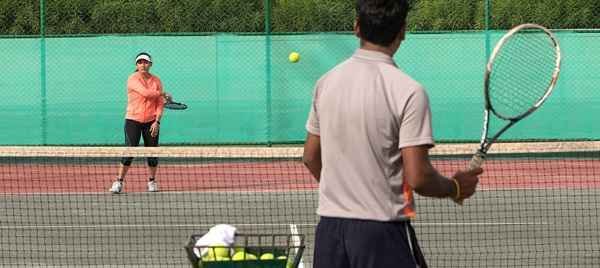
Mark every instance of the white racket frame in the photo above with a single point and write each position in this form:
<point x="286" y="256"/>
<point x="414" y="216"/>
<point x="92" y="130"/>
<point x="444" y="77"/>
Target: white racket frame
<point x="485" y="142"/>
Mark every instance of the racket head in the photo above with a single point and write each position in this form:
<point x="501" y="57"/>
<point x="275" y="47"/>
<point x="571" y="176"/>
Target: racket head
<point x="522" y="71"/>
<point x="171" y="105"/>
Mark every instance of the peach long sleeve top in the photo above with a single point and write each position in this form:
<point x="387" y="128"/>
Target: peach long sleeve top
<point x="144" y="98"/>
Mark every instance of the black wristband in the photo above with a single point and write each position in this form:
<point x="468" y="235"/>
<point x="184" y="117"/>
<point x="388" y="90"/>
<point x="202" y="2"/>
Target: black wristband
<point x="158" y="122"/>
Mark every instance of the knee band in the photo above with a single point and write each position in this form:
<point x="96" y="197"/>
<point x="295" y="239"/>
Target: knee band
<point x="152" y="161"/>
<point x="126" y="161"/>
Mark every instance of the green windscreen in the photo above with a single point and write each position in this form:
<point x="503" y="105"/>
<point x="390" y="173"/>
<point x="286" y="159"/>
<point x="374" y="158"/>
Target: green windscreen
<point x="236" y="93"/>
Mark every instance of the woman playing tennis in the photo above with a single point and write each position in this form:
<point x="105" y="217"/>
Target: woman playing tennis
<point x="145" y="103"/>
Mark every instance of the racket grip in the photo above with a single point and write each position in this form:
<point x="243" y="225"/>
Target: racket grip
<point x="477" y="160"/>
<point x="168" y="97"/>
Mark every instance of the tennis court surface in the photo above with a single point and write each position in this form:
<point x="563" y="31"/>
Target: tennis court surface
<point x="538" y="205"/>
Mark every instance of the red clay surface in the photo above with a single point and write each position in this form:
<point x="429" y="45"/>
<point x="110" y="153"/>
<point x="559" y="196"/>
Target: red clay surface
<point x="274" y="176"/>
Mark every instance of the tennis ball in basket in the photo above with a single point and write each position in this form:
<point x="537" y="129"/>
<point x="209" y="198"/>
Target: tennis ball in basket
<point x="282" y="257"/>
<point x="251" y="256"/>
<point x="222" y="251"/>
<point x="223" y="258"/>
<point x="294" y="57"/>
<point x="215" y="251"/>
<point x="267" y="256"/>
<point x="238" y="256"/>
<point x="208" y="258"/>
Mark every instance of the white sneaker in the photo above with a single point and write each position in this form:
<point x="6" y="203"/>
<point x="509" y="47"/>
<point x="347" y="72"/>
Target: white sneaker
<point x="152" y="186"/>
<point x="116" y="188"/>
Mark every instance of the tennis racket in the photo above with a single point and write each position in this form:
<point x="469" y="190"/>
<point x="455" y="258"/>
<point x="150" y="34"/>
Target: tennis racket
<point x="172" y="105"/>
<point x="520" y="75"/>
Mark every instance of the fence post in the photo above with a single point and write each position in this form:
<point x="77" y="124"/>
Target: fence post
<point x="268" y="70"/>
<point x="43" y="72"/>
<point x="487" y="28"/>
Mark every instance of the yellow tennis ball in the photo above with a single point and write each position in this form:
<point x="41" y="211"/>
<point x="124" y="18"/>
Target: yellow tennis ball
<point x="215" y="251"/>
<point x="238" y="256"/>
<point x="294" y="57"/>
<point x="222" y="252"/>
<point x="267" y="256"/>
<point x="208" y="258"/>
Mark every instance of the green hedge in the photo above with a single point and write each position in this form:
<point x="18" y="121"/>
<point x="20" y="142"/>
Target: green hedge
<point x="312" y="15"/>
<point x="562" y="14"/>
<point x="21" y="17"/>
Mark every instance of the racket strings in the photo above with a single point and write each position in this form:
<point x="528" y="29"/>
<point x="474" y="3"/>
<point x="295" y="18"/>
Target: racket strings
<point x="175" y="105"/>
<point x="519" y="83"/>
<point x="521" y="73"/>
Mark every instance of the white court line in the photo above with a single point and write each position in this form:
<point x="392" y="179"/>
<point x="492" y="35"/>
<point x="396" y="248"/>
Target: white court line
<point x="293" y="226"/>
<point x="252" y="192"/>
<point x="480" y="223"/>
<point x="296" y="241"/>
<point x="161" y="192"/>
<point x="131" y="226"/>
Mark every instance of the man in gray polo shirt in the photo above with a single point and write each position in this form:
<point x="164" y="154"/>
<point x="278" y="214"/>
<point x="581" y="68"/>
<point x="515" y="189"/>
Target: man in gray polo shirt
<point x="369" y="132"/>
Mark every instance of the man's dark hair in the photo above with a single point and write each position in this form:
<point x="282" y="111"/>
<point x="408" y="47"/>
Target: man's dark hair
<point x="380" y="21"/>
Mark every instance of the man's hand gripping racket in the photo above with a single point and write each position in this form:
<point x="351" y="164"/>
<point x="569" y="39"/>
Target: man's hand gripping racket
<point x="520" y="75"/>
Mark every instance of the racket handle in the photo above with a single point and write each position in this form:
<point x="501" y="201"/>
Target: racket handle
<point x="477" y="160"/>
<point x="168" y="97"/>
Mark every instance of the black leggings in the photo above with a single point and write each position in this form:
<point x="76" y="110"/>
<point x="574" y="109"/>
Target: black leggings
<point x="133" y="131"/>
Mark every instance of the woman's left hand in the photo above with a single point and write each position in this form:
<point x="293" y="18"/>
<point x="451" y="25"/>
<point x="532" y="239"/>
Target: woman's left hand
<point x="154" y="129"/>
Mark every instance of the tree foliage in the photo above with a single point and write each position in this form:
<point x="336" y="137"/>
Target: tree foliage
<point x="21" y="17"/>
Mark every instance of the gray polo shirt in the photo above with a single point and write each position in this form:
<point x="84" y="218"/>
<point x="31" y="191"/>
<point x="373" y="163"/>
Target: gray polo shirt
<point x="365" y="110"/>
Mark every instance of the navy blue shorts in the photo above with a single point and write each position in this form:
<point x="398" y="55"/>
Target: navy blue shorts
<point x="352" y="243"/>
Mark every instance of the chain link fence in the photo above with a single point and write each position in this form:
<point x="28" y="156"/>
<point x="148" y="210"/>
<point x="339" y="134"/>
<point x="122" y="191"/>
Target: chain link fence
<point x="64" y="79"/>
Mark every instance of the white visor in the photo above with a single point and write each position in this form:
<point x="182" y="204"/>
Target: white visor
<point x="143" y="57"/>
